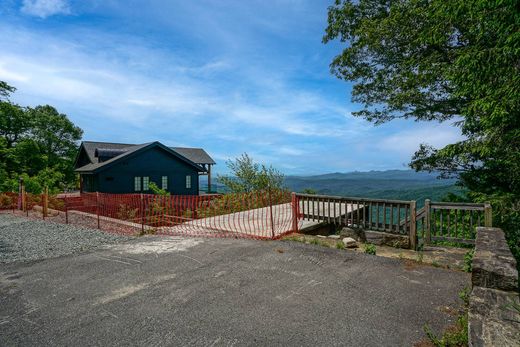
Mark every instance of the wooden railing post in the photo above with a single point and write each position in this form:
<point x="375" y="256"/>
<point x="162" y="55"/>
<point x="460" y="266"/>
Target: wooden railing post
<point x="427" y="221"/>
<point x="412" y="230"/>
<point x="488" y="216"/>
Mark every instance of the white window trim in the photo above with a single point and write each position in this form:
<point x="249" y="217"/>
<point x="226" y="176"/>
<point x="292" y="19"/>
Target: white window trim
<point x="164" y="182"/>
<point x="188" y="181"/>
<point x="146" y="183"/>
<point x="137" y="183"/>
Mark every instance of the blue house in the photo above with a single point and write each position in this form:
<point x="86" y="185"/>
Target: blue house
<point x="125" y="168"/>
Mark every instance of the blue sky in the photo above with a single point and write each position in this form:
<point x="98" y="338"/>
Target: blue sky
<point x="228" y="76"/>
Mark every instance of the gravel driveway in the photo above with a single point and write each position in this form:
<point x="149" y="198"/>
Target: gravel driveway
<point x="23" y="239"/>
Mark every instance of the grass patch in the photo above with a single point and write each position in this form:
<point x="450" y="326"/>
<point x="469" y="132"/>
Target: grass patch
<point x="370" y="249"/>
<point x="340" y="245"/>
<point x="455" y="335"/>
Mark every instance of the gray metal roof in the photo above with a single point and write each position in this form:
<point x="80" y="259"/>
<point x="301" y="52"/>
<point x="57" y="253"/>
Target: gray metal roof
<point x="194" y="155"/>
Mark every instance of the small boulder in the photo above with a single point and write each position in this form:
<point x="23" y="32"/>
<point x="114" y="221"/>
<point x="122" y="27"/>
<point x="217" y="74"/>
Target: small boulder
<point x="356" y="234"/>
<point x="334" y="237"/>
<point x="322" y="236"/>
<point x="349" y="242"/>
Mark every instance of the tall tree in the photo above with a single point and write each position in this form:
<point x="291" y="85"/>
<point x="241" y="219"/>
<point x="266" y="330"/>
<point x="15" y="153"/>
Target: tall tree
<point x="437" y="60"/>
<point x="248" y="176"/>
<point x="56" y="136"/>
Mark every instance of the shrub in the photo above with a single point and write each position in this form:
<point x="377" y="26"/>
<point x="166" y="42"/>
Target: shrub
<point x="340" y="245"/>
<point x="370" y="249"/>
<point x="5" y="201"/>
<point x="126" y="212"/>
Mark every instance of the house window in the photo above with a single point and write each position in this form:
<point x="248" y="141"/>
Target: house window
<point x="137" y="184"/>
<point x="146" y="183"/>
<point x="188" y="181"/>
<point x="164" y="182"/>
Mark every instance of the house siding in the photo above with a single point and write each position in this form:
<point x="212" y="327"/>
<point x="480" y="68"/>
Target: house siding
<point x="153" y="163"/>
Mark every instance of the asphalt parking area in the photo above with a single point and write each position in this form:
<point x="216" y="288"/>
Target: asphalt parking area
<point x="164" y="291"/>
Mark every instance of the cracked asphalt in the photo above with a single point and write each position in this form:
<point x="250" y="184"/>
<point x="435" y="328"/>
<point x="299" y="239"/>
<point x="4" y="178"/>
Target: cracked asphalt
<point x="172" y="291"/>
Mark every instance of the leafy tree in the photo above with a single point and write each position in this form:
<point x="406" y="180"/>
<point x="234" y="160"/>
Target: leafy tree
<point x="248" y="176"/>
<point x="437" y="60"/>
<point x="38" y="143"/>
<point x="5" y="90"/>
<point x="57" y="136"/>
<point x="14" y="123"/>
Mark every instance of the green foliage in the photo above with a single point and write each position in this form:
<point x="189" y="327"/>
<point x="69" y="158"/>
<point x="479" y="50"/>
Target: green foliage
<point x="309" y="191"/>
<point x="340" y="245"/>
<point x="156" y="190"/>
<point x="5" y="90"/>
<point x="38" y="143"/>
<point x="370" y="249"/>
<point x="468" y="260"/>
<point x="248" y="176"/>
<point x="442" y="61"/>
<point x="457" y="334"/>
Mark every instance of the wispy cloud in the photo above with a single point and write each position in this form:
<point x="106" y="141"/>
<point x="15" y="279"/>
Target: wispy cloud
<point x="45" y="8"/>
<point x="229" y="77"/>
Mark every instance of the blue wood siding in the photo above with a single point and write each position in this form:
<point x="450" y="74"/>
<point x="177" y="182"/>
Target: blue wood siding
<point x="153" y="163"/>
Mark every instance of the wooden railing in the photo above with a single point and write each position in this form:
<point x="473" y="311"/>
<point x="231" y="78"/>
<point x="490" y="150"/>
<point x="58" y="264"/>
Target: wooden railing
<point x="374" y="214"/>
<point x="436" y="221"/>
<point x="454" y="222"/>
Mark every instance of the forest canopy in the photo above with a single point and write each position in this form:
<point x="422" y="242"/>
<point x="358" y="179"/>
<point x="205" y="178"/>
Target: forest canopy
<point x="38" y="144"/>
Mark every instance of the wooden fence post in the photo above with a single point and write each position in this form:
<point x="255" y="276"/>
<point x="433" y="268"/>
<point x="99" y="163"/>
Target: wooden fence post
<point x="294" y="205"/>
<point x="66" y="211"/>
<point x="488" y="216"/>
<point x="142" y="214"/>
<point x="270" y="209"/>
<point x="428" y="238"/>
<point x="45" y="202"/>
<point x="25" y="203"/>
<point x="97" y="209"/>
<point x="413" y="225"/>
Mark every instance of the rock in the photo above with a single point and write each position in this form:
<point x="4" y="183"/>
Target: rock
<point x="321" y="236"/>
<point x="493" y="264"/>
<point x="381" y="238"/>
<point x="334" y="237"/>
<point x="349" y="242"/>
<point x="356" y="234"/>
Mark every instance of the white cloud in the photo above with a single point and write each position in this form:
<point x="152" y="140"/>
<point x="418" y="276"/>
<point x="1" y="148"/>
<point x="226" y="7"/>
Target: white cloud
<point x="406" y="142"/>
<point x="45" y="8"/>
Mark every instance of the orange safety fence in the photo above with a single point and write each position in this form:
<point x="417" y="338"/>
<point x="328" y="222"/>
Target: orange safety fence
<point x="259" y="214"/>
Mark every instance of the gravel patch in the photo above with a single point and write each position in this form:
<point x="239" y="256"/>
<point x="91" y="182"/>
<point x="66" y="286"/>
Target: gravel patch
<point x="23" y="239"/>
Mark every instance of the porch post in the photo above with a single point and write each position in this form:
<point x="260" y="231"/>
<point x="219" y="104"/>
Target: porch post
<point x="209" y="178"/>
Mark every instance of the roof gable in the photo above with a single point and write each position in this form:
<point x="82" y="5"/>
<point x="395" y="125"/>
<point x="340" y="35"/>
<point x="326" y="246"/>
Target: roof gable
<point x="131" y="151"/>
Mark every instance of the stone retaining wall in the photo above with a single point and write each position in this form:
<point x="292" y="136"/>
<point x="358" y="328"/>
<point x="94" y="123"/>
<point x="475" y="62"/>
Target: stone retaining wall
<point x="493" y="321"/>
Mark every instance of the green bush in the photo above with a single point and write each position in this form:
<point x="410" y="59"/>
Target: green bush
<point x="370" y="249"/>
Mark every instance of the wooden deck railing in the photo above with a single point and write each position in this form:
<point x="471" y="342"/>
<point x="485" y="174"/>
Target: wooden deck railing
<point x="454" y="222"/>
<point x="436" y="221"/>
<point x="365" y="213"/>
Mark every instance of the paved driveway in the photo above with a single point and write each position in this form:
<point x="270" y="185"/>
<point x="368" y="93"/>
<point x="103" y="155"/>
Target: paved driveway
<point x="162" y="291"/>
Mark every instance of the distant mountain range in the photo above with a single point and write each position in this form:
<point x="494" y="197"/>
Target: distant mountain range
<point x="389" y="184"/>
